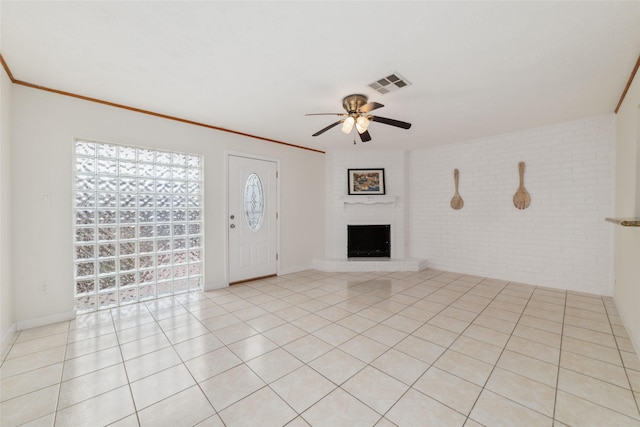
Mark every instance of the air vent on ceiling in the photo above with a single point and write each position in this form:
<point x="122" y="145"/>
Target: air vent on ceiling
<point x="390" y="83"/>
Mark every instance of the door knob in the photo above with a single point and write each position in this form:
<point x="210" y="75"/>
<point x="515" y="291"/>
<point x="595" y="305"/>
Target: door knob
<point x="232" y="217"/>
<point x="232" y="226"/>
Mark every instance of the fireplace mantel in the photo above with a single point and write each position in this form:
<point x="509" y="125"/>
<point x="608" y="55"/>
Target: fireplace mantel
<point x="368" y="200"/>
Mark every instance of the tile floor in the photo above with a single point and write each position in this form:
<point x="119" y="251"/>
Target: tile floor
<point x="431" y="348"/>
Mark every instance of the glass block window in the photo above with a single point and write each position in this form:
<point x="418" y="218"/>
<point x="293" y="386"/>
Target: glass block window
<point x="138" y="231"/>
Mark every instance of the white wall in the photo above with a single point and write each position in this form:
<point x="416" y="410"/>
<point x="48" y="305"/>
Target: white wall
<point x="627" y="239"/>
<point x="44" y="126"/>
<point x="561" y="240"/>
<point x="6" y="299"/>
<point x="339" y="214"/>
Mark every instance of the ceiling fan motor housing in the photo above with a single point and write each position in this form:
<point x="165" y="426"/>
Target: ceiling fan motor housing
<point x="352" y="103"/>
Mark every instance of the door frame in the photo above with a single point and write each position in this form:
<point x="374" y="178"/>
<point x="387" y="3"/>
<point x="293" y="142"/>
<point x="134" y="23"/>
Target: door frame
<point x="227" y="155"/>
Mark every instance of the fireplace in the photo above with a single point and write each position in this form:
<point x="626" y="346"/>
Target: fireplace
<point x="369" y="241"/>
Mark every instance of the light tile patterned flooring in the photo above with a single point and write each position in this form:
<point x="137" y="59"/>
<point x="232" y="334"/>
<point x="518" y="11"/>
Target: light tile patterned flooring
<point x="430" y="348"/>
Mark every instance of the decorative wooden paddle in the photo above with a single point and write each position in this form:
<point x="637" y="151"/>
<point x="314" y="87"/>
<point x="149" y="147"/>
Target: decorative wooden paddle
<point x="456" y="200"/>
<point x="521" y="199"/>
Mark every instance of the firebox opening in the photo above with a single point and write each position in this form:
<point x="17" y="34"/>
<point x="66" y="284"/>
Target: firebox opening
<point x="369" y="241"/>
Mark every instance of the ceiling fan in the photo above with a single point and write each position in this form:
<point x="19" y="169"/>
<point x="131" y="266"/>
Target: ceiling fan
<point x="356" y="108"/>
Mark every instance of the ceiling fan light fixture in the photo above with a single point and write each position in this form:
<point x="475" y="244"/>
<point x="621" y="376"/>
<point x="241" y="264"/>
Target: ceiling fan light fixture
<point x="362" y="123"/>
<point x="347" y="126"/>
<point x="357" y="109"/>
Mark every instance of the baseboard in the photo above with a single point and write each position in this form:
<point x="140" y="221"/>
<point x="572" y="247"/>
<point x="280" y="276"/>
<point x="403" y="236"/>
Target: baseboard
<point x="8" y="338"/>
<point x="219" y="285"/>
<point x="213" y="286"/>
<point x="634" y="333"/>
<point x="45" y="320"/>
<point x="295" y="269"/>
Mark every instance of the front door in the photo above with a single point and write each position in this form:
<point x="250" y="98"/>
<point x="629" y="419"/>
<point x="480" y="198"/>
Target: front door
<point x="252" y="218"/>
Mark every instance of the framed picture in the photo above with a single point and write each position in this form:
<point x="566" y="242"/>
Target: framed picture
<point x="366" y="181"/>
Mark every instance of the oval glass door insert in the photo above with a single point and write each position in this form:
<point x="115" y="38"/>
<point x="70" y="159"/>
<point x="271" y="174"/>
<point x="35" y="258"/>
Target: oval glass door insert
<point x="254" y="202"/>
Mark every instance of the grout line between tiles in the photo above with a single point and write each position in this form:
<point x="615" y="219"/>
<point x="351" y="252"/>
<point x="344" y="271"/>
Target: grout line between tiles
<point x="338" y="284"/>
<point x="635" y="397"/>
<point x="555" y="397"/>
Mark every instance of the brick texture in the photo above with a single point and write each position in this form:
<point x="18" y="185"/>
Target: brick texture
<point x="340" y="214"/>
<point x="561" y="240"/>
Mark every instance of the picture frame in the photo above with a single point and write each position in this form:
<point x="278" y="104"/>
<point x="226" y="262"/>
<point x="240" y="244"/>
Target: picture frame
<point x="366" y="181"/>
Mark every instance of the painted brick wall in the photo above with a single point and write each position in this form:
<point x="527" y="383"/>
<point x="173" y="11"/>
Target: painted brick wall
<point x="561" y="240"/>
<point x="340" y="214"/>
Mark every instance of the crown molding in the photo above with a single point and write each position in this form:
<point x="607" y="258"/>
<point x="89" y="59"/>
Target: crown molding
<point x="147" y="112"/>
<point x="626" y="88"/>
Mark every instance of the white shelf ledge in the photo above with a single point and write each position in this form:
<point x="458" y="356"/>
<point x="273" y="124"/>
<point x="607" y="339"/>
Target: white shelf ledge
<point x="368" y="200"/>
<point x="625" y="222"/>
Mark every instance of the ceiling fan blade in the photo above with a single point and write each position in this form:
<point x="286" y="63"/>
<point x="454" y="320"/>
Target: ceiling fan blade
<point x="369" y="107"/>
<point x="365" y="136"/>
<point x="321" y="131"/>
<point x="392" y="122"/>
<point x="326" y="114"/>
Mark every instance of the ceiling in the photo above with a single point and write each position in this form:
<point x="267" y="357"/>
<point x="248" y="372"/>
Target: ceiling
<point x="476" y="68"/>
